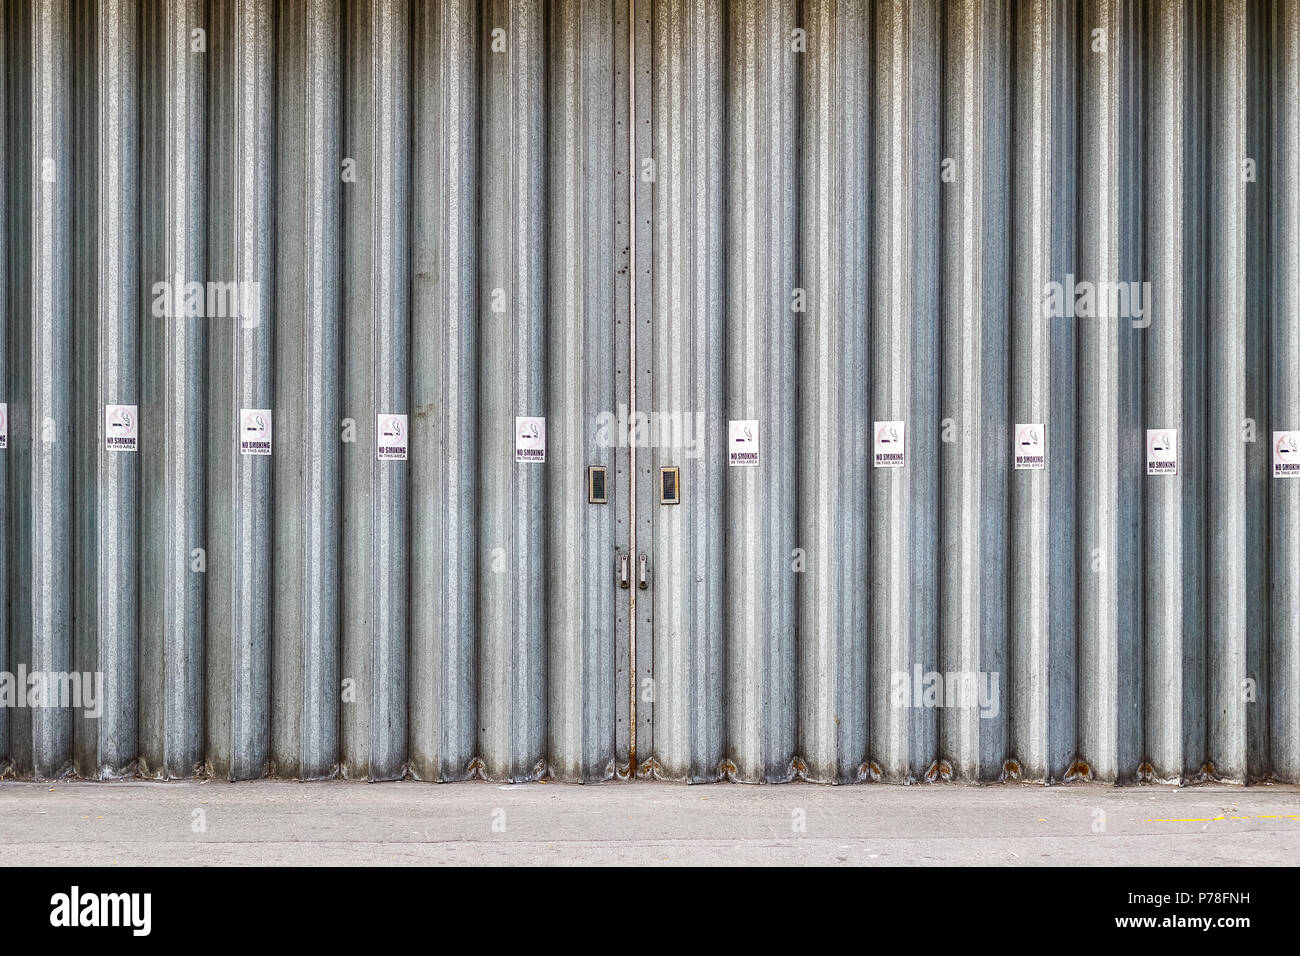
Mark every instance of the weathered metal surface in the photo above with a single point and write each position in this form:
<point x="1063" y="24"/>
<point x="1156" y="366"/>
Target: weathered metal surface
<point x="1033" y="343"/>
<point x="686" y="256"/>
<point x="41" y="453"/>
<point x="832" y="472"/>
<point x="642" y="221"/>
<point x="582" y="259"/>
<point x="513" y="588"/>
<point x="376" y="381"/>
<point x="760" y="376"/>
<point x="305" y="630"/>
<point x="240" y="353"/>
<point x="445" y="323"/>
<point x="106" y="601"/>
<point x="1283" y="270"/>
<point x="173" y="402"/>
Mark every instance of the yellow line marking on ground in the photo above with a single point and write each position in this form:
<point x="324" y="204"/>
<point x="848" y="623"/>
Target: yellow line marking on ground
<point x="1273" y="816"/>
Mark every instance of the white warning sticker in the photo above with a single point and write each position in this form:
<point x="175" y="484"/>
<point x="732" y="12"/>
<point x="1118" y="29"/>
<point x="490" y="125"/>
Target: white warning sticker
<point x="255" y="431"/>
<point x="530" y="440"/>
<point x="1286" y="454"/>
<point x="742" y="443"/>
<point x="1031" y="447"/>
<point x="890" y="445"/>
<point x="121" y="428"/>
<point x="4" y="425"/>
<point x="1162" y="451"/>
<point x="392" y="443"/>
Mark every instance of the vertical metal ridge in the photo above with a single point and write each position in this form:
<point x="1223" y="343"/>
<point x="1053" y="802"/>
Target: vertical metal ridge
<point x="107" y="496"/>
<point x="8" y="115"/>
<point x="42" y="452"/>
<point x="18" y="371"/>
<point x="173" y="408"/>
<point x="1227" y="393"/>
<point x="995" y="614"/>
<point x="1033" y="339"/>
<point x="1130" y="129"/>
<point x="905" y="357"/>
<point x="240" y="348"/>
<point x="627" y="225"/>
<point x="580" y="536"/>
<point x="891" y="316"/>
<point x="1163" y="494"/>
<point x="686" y="322"/>
<point x="306" y="598"/>
<point x="1098" y="410"/>
<point x="512" y="596"/>
<point x="1257" y="176"/>
<point x="1194" y="450"/>
<point x="834" y="428"/>
<point x="52" y="387"/>
<point x="445" y="319"/>
<point x="759" y="332"/>
<point x="376" y="286"/>
<point x="962" y="562"/>
<point x="1284" y="381"/>
<point x="641" y="370"/>
<point x="1063" y="467"/>
<point x="925" y="360"/>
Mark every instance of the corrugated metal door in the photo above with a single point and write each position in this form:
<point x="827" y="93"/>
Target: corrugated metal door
<point x="1042" y="258"/>
<point x="420" y="213"/>
<point x="980" y="227"/>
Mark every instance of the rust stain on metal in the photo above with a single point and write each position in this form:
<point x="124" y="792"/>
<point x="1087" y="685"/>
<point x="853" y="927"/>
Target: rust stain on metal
<point x="940" y="772"/>
<point x="869" y="771"/>
<point x="1079" y="770"/>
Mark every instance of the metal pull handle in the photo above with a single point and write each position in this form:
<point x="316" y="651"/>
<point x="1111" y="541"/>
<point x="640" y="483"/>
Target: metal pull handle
<point x="641" y="562"/>
<point x="622" y="570"/>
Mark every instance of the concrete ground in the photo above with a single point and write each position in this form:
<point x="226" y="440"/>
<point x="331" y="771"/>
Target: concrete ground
<point x="641" y="823"/>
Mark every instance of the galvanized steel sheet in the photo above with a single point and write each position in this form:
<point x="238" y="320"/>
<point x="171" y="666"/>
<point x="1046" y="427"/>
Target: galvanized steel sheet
<point x="1033" y="248"/>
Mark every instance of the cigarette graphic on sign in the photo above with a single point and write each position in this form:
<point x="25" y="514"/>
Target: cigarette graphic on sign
<point x="120" y="431"/>
<point x="743" y="435"/>
<point x="1286" y="454"/>
<point x="530" y="440"/>
<point x="256" y="425"/>
<point x="1162" y="451"/>
<point x="392" y="438"/>
<point x="889" y="445"/>
<point x="1028" y="451"/>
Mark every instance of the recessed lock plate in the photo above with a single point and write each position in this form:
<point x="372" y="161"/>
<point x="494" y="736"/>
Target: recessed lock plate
<point x="596" y="476"/>
<point x="670" y="485"/>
